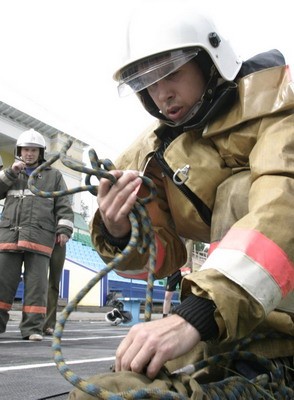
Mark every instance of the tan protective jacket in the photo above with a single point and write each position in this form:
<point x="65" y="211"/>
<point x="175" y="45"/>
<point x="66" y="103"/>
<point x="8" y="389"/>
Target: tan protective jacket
<point x="241" y="167"/>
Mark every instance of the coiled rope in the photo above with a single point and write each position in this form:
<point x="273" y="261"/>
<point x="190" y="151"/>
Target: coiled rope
<point x="267" y="386"/>
<point x="142" y="238"/>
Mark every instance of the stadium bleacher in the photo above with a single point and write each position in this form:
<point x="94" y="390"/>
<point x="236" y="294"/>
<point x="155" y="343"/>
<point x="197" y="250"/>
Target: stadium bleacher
<point x="79" y="251"/>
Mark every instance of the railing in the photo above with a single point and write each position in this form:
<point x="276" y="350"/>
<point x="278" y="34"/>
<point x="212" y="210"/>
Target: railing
<point x="198" y="258"/>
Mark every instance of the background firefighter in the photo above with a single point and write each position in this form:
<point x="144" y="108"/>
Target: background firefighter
<point x="27" y="233"/>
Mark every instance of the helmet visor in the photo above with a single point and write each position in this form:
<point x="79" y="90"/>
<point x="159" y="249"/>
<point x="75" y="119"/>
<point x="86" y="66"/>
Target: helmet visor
<point x="146" y="72"/>
<point x="30" y="145"/>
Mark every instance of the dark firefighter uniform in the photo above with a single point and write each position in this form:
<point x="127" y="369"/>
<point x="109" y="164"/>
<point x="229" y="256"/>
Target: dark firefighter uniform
<point x="27" y="235"/>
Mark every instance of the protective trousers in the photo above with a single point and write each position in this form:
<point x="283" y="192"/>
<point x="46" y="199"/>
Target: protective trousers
<point x="35" y="267"/>
<point x="55" y="271"/>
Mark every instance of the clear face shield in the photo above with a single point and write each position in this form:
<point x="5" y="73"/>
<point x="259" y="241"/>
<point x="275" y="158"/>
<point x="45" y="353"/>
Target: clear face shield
<point x="146" y="72"/>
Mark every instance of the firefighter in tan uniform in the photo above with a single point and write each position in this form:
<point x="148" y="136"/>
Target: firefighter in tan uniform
<point x="222" y="159"/>
<point x="28" y="232"/>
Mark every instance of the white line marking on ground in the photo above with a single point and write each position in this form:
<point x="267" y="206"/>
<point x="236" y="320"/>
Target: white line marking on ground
<point x="93" y="338"/>
<point x="72" y="330"/>
<point x="63" y="339"/>
<point x="45" y="365"/>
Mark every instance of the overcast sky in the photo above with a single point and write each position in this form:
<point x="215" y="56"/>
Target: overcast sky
<point x="58" y="57"/>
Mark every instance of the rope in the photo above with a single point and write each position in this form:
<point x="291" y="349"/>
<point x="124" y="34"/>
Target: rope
<point x="142" y="238"/>
<point x="265" y="386"/>
<point x="100" y="169"/>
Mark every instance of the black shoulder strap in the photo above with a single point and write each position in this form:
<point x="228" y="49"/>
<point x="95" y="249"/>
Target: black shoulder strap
<point x="268" y="59"/>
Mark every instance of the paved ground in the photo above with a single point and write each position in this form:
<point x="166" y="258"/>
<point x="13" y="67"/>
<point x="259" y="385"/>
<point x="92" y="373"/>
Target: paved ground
<point x="28" y="370"/>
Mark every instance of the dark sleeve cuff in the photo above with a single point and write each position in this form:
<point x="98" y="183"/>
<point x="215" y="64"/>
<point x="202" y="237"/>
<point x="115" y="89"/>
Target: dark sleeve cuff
<point x="10" y="174"/>
<point x="199" y="312"/>
<point x="121" y="243"/>
<point x="65" y="231"/>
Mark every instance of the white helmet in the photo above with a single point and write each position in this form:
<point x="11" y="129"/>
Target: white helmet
<point x="30" y="138"/>
<point x="162" y="39"/>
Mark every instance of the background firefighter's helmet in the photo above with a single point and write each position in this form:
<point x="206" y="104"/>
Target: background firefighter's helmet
<point x="31" y="138"/>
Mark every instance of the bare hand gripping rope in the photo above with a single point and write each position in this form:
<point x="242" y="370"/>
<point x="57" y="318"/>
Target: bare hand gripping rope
<point x="142" y="238"/>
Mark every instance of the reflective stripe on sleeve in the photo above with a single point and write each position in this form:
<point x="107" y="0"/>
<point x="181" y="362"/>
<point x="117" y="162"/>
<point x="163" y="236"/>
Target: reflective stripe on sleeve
<point x="252" y="277"/>
<point x="256" y="263"/>
<point x="66" y="222"/>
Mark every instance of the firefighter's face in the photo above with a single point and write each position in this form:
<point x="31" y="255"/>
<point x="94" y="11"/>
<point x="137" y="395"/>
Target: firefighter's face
<point x="177" y="93"/>
<point x="30" y="155"/>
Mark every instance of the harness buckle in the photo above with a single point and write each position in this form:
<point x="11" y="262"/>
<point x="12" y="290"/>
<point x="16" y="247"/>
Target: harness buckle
<point x="181" y="175"/>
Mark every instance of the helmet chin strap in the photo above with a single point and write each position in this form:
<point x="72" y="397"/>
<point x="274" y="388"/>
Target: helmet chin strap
<point x="204" y="102"/>
<point x="187" y="117"/>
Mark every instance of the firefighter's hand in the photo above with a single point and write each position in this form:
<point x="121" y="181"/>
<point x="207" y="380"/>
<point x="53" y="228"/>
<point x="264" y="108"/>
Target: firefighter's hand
<point x="18" y="166"/>
<point x="148" y="346"/>
<point x="115" y="201"/>
<point x="62" y="239"/>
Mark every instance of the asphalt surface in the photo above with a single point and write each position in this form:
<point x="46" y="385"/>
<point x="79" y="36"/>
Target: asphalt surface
<point x="28" y="370"/>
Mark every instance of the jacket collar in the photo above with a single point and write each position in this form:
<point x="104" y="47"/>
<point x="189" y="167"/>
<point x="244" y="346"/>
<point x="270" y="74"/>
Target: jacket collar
<point x="261" y="93"/>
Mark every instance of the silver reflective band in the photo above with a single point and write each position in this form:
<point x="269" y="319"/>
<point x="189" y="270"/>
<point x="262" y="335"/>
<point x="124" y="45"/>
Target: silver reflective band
<point x="20" y="193"/>
<point x="23" y="193"/>
<point x="146" y="72"/>
<point x="65" y="222"/>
